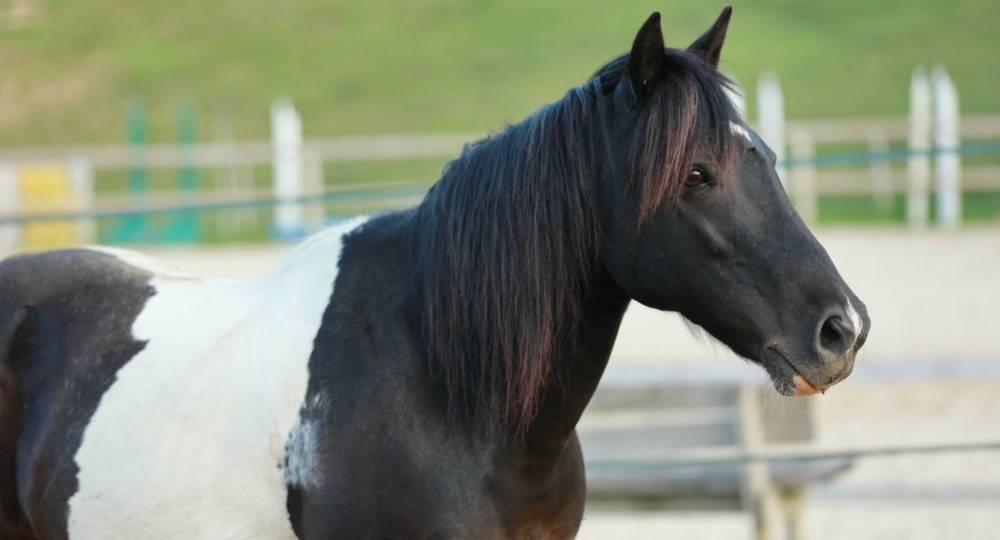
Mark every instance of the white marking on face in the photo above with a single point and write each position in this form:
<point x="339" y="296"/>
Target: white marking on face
<point x="738" y="129"/>
<point x="186" y="443"/>
<point x="855" y="319"/>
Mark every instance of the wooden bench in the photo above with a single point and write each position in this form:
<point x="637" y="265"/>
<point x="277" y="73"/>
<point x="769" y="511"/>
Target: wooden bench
<point x="682" y="446"/>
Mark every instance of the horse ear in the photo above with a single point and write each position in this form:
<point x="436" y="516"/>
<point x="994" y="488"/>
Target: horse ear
<point x="646" y="58"/>
<point x="710" y="43"/>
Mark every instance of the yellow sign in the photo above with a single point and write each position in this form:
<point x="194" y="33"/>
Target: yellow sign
<point x="47" y="188"/>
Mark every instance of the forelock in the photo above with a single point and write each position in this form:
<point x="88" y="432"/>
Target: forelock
<point x="688" y="113"/>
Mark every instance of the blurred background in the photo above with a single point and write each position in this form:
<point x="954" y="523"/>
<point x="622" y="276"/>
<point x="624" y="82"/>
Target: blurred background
<point x="215" y="134"/>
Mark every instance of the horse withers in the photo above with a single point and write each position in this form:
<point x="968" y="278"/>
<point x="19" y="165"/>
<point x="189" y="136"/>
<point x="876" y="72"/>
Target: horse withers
<point x="418" y="374"/>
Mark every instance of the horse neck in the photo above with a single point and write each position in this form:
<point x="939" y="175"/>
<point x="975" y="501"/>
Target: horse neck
<point x="575" y="379"/>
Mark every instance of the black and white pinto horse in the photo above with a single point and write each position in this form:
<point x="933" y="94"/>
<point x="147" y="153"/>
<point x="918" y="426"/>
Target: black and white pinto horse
<point x="418" y="374"/>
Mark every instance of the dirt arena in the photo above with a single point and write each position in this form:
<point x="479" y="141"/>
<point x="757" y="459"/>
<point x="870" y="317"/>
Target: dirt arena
<point x="930" y="373"/>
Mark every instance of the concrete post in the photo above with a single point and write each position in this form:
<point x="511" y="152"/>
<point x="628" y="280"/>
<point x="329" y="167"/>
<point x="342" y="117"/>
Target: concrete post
<point x="286" y="131"/>
<point x="918" y="165"/>
<point x="737" y="96"/>
<point x="81" y="178"/>
<point x="804" y="176"/>
<point x="10" y="235"/>
<point x="880" y="170"/>
<point x="947" y="163"/>
<point x="771" y="117"/>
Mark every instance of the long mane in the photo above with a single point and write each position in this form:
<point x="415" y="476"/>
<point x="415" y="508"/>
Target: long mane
<point x="508" y="237"/>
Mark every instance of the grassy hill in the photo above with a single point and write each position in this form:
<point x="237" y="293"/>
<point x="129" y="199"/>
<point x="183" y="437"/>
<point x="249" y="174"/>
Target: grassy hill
<point x="68" y="69"/>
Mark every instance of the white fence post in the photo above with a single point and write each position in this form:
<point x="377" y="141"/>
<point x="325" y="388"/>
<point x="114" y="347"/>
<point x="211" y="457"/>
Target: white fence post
<point x="758" y="492"/>
<point x="947" y="164"/>
<point x="10" y="235"/>
<point x="804" y="175"/>
<point x="227" y="224"/>
<point x="286" y="132"/>
<point x="737" y="96"/>
<point x="81" y="178"/>
<point x="918" y="165"/>
<point x="771" y="117"/>
<point x="315" y="211"/>
<point x="880" y="171"/>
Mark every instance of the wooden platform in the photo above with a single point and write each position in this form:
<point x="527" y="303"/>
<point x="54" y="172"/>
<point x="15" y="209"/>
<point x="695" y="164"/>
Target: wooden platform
<point x="649" y="443"/>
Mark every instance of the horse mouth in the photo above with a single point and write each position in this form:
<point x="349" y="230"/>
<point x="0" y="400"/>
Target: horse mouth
<point x="786" y="379"/>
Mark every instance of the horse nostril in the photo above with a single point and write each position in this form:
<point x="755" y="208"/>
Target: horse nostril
<point x="830" y="333"/>
<point x="835" y="336"/>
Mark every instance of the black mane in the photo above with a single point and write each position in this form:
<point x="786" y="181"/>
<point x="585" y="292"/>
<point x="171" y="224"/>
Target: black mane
<point x="509" y="235"/>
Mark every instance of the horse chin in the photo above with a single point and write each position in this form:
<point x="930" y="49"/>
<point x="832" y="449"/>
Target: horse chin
<point x="786" y="379"/>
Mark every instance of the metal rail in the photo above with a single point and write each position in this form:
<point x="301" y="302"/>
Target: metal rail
<point x="397" y="191"/>
<point x="794" y="456"/>
<point x="361" y="194"/>
<point x="212" y="154"/>
<point x="855" y="158"/>
<point x="220" y="154"/>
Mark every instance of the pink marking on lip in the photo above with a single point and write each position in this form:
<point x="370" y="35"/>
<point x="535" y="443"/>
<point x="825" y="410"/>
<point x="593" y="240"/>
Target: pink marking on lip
<point x="803" y="387"/>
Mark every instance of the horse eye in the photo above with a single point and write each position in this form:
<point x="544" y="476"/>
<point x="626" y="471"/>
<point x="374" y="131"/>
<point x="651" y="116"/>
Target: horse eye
<point x="695" y="178"/>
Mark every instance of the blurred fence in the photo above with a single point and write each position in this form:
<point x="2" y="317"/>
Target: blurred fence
<point x="933" y="167"/>
<point x="872" y="174"/>
<point x="239" y="178"/>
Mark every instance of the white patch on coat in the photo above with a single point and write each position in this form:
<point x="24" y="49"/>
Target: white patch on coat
<point x="737" y="129"/>
<point x="300" y="465"/>
<point x="187" y="443"/>
<point x="300" y="456"/>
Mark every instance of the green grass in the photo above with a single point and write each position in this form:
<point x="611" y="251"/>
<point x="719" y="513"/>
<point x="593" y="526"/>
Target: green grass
<point x="981" y="206"/>
<point x="977" y="207"/>
<point x="394" y="171"/>
<point x="353" y="66"/>
<point x="360" y="67"/>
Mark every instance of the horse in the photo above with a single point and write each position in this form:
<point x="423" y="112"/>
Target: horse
<point x="416" y="374"/>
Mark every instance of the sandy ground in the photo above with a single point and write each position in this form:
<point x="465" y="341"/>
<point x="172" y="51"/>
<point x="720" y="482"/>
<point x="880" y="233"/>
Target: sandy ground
<point x="934" y="299"/>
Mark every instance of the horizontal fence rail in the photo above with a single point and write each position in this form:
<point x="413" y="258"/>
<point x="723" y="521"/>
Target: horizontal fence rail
<point x="294" y="199"/>
<point x="220" y="154"/>
<point x="863" y="158"/>
<point x="702" y="458"/>
<point x="139" y="209"/>
<point x="394" y="191"/>
<point x="377" y="147"/>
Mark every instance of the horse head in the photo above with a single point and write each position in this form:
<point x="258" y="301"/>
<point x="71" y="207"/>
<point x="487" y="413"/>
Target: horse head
<point x="694" y="218"/>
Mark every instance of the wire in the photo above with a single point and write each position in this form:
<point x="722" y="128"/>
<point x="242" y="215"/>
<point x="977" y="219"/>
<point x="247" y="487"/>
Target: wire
<point x="850" y="158"/>
<point x="794" y="457"/>
<point x="845" y="158"/>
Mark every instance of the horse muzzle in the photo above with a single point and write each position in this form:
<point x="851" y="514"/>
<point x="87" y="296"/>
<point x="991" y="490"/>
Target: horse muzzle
<point x="829" y="358"/>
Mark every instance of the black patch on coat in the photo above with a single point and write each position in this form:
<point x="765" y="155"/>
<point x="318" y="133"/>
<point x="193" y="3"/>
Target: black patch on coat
<point x="65" y="330"/>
